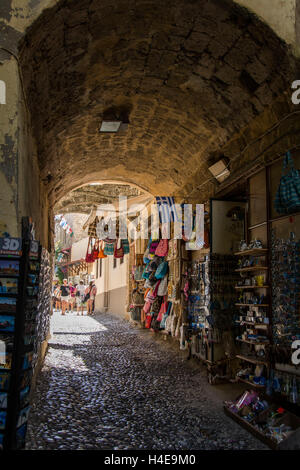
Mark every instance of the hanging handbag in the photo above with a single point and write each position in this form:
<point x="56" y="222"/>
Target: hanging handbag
<point x="92" y="230"/>
<point x="163" y="287"/>
<point x="109" y="248"/>
<point x="146" y="274"/>
<point x="162" y="311"/>
<point x="153" y="247"/>
<point x="89" y="257"/>
<point x="145" y="258"/>
<point x="118" y="252"/>
<point x="161" y="270"/>
<point x="147" y="307"/>
<point x="101" y="254"/>
<point x="96" y="250"/>
<point x="125" y="244"/>
<point x="162" y="248"/>
<point x="287" y="199"/>
<point x="148" y="321"/>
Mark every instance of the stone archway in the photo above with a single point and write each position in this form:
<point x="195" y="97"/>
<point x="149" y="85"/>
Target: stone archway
<point x="191" y="75"/>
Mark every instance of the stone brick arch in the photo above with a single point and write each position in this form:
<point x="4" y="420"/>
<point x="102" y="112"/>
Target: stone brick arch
<point x="192" y="73"/>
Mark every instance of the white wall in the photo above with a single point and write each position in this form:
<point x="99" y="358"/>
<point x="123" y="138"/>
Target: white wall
<point x="78" y="250"/>
<point x="113" y="282"/>
<point x="278" y="14"/>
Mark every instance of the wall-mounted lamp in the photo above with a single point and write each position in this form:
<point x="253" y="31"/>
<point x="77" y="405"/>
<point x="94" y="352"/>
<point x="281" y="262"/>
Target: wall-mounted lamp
<point x="220" y="170"/>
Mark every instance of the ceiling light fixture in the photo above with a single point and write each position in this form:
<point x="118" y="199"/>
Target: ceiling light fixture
<point x="114" y="121"/>
<point x="220" y="170"/>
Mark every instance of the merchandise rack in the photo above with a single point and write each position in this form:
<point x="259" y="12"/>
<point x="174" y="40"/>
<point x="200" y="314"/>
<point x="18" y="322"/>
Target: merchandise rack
<point x="14" y="405"/>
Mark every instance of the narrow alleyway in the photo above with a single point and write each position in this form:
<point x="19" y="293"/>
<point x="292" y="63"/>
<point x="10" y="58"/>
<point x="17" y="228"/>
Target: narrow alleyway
<point x="108" y="385"/>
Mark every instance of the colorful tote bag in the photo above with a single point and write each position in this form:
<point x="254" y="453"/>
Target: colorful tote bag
<point x="109" y="249"/>
<point x="125" y="244"/>
<point x="162" y="248"/>
<point x="161" y="270"/>
<point x="287" y="199"/>
<point x="118" y="252"/>
<point x="89" y="257"/>
<point x="101" y="254"/>
<point x="163" y="287"/>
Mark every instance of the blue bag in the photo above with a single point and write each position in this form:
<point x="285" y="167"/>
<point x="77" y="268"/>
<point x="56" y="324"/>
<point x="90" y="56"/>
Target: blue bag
<point x="109" y="249"/>
<point x="162" y="270"/>
<point x="287" y="199"/>
<point x="125" y="245"/>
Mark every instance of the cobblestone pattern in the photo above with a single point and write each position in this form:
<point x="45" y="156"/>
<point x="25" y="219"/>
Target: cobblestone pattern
<point x="108" y="385"/>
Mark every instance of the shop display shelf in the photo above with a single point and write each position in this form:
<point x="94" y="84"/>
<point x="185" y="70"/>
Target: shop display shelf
<point x="13" y="276"/>
<point x="248" y="382"/>
<point x="257" y="343"/>
<point x="263" y="326"/>
<point x="249" y="427"/>
<point x="252" y="305"/>
<point x="252" y="287"/>
<point x="253" y="252"/>
<point x="252" y="359"/>
<point x="252" y="268"/>
<point x="291" y="442"/>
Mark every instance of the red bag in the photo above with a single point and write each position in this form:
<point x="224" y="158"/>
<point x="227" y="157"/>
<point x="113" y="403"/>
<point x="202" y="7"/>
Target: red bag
<point x="162" y="248"/>
<point x="89" y="257"/>
<point x="119" y="252"/>
<point x="163" y="310"/>
<point x="147" y="307"/>
<point x="148" y="321"/>
<point x="96" y="250"/>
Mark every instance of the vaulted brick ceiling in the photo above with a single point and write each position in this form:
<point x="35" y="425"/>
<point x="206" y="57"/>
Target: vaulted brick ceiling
<point x="190" y="73"/>
<point x="82" y="199"/>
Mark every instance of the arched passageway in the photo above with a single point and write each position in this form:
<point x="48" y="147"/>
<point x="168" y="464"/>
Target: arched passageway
<point x="189" y="75"/>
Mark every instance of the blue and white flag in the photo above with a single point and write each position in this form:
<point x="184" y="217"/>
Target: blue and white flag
<point x="167" y="209"/>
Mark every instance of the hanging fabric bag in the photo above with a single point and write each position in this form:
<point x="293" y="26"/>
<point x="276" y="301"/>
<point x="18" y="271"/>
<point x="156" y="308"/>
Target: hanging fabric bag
<point x="148" y="321"/>
<point x="153" y="247"/>
<point x="92" y="230"/>
<point x="109" y="248"/>
<point x="125" y="244"/>
<point x="118" y="252"/>
<point x="162" y="248"/>
<point x="161" y="270"/>
<point x="101" y="254"/>
<point x="96" y="250"/>
<point x="89" y="257"/>
<point x="163" y="287"/>
<point x="287" y="199"/>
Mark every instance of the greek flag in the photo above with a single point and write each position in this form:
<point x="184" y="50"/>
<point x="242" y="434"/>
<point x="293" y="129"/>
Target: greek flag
<point x="167" y="209"/>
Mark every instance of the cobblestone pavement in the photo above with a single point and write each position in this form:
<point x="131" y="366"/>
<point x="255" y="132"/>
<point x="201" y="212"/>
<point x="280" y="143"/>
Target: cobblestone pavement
<point x="108" y="385"/>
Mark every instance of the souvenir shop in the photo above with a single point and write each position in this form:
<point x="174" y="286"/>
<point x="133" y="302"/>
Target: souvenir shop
<point x="234" y="304"/>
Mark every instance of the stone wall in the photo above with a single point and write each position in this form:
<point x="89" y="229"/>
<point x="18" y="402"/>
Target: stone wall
<point x="193" y="75"/>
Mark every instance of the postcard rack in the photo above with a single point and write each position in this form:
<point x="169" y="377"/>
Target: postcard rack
<point x="19" y="279"/>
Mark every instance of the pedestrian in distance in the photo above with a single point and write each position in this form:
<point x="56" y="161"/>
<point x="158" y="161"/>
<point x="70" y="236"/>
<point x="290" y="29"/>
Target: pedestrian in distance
<point x="80" y="295"/>
<point x="65" y="295"/>
<point x="91" y="293"/>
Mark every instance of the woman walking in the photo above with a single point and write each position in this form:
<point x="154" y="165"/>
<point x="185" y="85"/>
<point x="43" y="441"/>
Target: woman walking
<point x="65" y="292"/>
<point x="80" y="295"/>
<point x="92" y="292"/>
<point x="57" y="298"/>
<point x="72" y="298"/>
